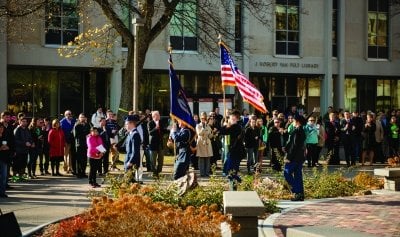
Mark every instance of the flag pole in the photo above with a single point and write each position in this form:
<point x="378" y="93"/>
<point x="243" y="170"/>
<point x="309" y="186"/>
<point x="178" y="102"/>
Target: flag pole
<point x="226" y="137"/>
<point x="170" y="56"/>
<point x="223" y="86"/>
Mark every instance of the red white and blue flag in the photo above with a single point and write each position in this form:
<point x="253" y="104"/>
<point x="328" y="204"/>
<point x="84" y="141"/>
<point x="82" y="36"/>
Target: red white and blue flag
<point x="232" y="76"/>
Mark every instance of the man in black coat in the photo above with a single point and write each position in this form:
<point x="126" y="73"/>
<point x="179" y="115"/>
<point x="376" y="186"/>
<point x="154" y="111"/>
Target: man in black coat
<point x="295" y="148"/>
<point x="156" y="147"/>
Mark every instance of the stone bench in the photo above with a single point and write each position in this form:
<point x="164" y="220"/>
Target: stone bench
<point x="391" y="177"/>
<point x="245" y="208"/>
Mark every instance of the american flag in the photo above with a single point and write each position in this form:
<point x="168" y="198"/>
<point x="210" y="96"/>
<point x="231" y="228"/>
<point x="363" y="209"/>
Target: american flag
<point x="226" y="69"/>
<point x="232" y="76"/>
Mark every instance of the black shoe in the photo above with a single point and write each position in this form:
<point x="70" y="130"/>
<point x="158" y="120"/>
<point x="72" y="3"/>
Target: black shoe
<point x="58" y="174"/>
<point x="298" y="197"/>
<point x="3" y="195"/>
<point x="46" y="172"/>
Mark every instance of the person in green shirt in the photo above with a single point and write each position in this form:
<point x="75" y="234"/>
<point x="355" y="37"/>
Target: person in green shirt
<point x="393" y="137"/>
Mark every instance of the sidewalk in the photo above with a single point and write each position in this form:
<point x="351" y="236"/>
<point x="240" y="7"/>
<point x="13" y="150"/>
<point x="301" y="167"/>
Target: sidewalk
<point x="47" y="199"/>
<point x="373" y="215"/>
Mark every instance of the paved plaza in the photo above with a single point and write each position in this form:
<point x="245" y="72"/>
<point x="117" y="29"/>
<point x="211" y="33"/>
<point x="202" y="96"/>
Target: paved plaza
<point x="48" y="199"/>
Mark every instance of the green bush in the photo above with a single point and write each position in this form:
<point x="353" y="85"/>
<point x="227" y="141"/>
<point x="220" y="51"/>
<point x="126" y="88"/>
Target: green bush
<point x="325" y="184"/>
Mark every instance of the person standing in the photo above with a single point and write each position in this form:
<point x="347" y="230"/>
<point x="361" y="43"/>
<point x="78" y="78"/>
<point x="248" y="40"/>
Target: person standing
<point x="369" y="139"/>
<point x="56" y="140"/>
<point x="251" y="141"/>
<point x="156" y="147"/>
<point x="393" y="137"/>
<point x="182" y="140"/>
<point x="5" y="119"/>
<point x="275" y="139"/>
<point x="44" y="158"/>
<point x="379" y="138"/>
<point x="80" y="131"/>
<point x="357" y="127"/>
<point x="23" y="142"/>
<point x="133" y="141"/>
<point x="311" y="131"/>
<point x="5" y="159"/>
<point x="95" y="120"/>
<point x="236" y="146"/>
<point x="293" y="170"/>
<point x="103" y="132"/>
<point x="67" y="124"/>
<point x="95" y="150"/>
<point x="204" y="150"/>
<point x="346" y="126"/>
<point x="35" y="128"/>
<point x="333" y="140"/>
<point x="215" y="140"/>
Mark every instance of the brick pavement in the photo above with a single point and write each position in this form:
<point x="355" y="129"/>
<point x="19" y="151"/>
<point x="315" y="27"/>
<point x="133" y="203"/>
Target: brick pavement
<point x="377" y="214"/>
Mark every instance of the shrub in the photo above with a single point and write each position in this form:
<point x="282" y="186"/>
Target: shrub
<point x="325" y="184"/>
<point x="367" y="181"/>
<point x="137" y="215"/>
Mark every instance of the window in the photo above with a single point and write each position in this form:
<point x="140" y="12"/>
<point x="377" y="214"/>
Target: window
<point x="183" y="27"/>
<point x="287" y="27"/>
<point x="334" y="27"/>
<point x="238" y="26"/>
<point x="378" y="29"/>
<point x="61" y="23"/>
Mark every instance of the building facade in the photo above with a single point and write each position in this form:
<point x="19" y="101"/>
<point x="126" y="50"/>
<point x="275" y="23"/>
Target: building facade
<point x="317" y="53"/>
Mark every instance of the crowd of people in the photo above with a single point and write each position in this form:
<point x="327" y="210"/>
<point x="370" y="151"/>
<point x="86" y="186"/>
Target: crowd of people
<point x="287" y="138"/>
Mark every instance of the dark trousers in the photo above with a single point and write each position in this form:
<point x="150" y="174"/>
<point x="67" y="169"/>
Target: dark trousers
<point x="33" y="155"/>
<point x="312" y="154"/>
<point x="19" y="163"/>
<point x="293" y="173"/>
<point x="379" y="156"/>
<point x="44" y="161"/>
<point x="105" y="163"/>
<point x="333" y="151"/>
<point x="74" y="163"/>
<point x="348" y="151"/>
<point x="55" y="164"/>
<point x="276" y="155"/>
<point x="182" y="163"/>
<point x="95" y="165"/>
<point x="232" y="164"/>
<point x="81" y="161"/>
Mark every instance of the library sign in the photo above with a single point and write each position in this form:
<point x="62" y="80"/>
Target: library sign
<point x="271" y="64"/>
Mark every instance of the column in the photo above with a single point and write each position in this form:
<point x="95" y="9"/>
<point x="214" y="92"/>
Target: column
<point x="3" y="61"/>
<point x="339" y="83"/>
<point x="326" y="83"/>
<point x="116" y="78"/>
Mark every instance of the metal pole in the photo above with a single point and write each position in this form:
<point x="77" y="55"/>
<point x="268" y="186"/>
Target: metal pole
<point x="137" y="22"/>
<point x="135" y="74"/>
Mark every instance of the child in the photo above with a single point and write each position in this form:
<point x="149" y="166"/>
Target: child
<point x="94" y="153"/>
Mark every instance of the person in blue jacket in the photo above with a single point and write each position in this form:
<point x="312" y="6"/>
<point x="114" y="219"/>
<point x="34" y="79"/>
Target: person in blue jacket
<point x="133" y="141"/>
<point x="182" y="138"/>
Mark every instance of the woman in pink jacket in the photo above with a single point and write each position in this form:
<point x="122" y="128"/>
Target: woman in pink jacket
<point x="56" y="141"/>
<point x="94" y="153"/>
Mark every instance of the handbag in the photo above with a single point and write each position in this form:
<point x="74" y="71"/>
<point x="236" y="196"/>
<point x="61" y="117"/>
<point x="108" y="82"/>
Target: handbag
<point x="9" y="225"/>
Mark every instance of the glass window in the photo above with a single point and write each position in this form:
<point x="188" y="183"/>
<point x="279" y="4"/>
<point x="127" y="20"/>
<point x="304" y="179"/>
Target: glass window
<point x="287" y="27"/>
<point x="383" y="98"/>
<point x="238" y="26"/>
<point x="183" y="27"/>
<point x="378" y="29"/>
<point x="61" y="22"/>
<point x="350" y="94"/>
